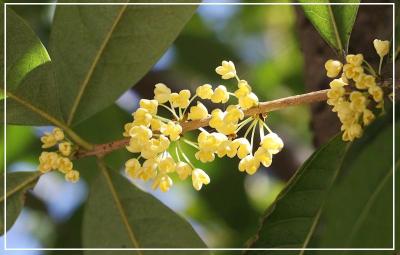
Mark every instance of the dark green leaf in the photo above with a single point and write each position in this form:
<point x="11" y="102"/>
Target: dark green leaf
<point x="17" y="184"/>
<point x="291" y="220"/>
<point x="100" y="51"/>
<point x="24" y="50"/>
<point x="333" y="22"/>
<point x="35" y="101"/>
<point x="119" y="215"/>
<point x="359" y="210"/>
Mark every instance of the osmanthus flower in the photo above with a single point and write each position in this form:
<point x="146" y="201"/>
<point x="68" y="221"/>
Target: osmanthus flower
<point x="355" y="96"/>
<point x="382" y="47"/>
<point x="220" y="95"/>
<point x="333" y="68"/>
<point x="58" y="160"/>
<point x="226" y="70"/>
<point x="198" y="112"/>
<point x="157" y="139"/>
<point x="205" y="91"/>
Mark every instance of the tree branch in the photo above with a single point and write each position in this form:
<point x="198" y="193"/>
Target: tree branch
<point x="263" y="107"/>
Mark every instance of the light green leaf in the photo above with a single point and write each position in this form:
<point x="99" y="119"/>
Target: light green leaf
<point x="100" y="51"/>
<point x="333" y="22"/>
<point x="119" y="215"/>
<point x="291" y="220"/>
<point x="359" y="210"/>
<point x="17" y="185"/>
<point x="24" y="50"/>
<point x="35" y="101"/>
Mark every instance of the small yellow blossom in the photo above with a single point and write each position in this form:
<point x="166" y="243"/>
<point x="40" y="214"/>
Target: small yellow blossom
<point x="227" y="129"/>
<point x="140" y="136"/>
<point x="233" y="114"/>
<point x="376" y="92"/>
<point x="355" y="60"/>
<point x="140" y="132"/>
<point x="358" y="101"/>
<point x="47" y="161"/>
<point x="142" y="117"/>
<point x="210" y="142"/>
<point x="334" y="94"/>
<point x="154" y="147"/>
<point x="58" y="134"/>
<point x="249" y="164"/>
<point x="243" y="147"/>
<point x="72" y="176"/>
<point x="217" y="117"/>
<point x="198" y="112"/>
<point x="163" y="182"/>
<point x="172" y="129"/>
<point x="223" y="148"/>
<point x="48" y="140"/>
<point x="148" y="169"/>
<point x="333" y="68"/>
<point x="264" y="156"/>
<point x="204" y="156"/>
<point x="272" y="143"/>
<point x="352" y="71"/>
<point x="368" y="117"/>
<point x="352" y="131"/>
<point x="226" y="70"/>
<point x="205" y="91"/>
<point x="131" y="167"/>
<point x="162" y="93"/>
<point x="183" y="170"/>
<point x="199" y="177"/>
<point x="156" y="124"/>
<point x="167" y="165"/>
<point x="180" y="99"/>
<point x="127" y="127"/>
<point x="382" y="47"/>
<point x="243" y="89"/>
<point x="149" y="105"/>
<point x="365" y="81"/>
<point x="64" y="165"/>
<point x="65" y="148"/>
<point x="246" y="102"/>
<point x="220" y="95"/>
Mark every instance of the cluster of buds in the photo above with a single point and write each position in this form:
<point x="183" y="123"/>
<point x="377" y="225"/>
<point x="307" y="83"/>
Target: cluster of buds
<point x="158" y="140"/>
<point x="356" y="93"/>
<point x="60" y="159"/>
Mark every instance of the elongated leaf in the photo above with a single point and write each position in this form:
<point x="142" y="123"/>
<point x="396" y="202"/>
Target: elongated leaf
<point x="119" y="215"/>
<point x="291" y="220"/>
<point x="333" y="22"/>
<point x="359" y="211"/>
<point x="100" y="51"/>
<point x="35" y="101"/>
<point x="24" y="50"/>
<point x="17" y="184"/>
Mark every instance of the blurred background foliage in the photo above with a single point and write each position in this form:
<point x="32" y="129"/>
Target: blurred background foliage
<point x="264" y="44"/>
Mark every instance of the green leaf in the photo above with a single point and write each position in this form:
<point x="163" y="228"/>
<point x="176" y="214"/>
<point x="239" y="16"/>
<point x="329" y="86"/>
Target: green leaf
<point x="35" y="101"/>
<point x="359" y="209"/>
<point x="100" y="51"/>
<point x="119" y="215"/>
<point x="17" y="185"/>
<point x="333" y="22"/>
<point x="24" y="51"/>
<point x="291" y="220"/>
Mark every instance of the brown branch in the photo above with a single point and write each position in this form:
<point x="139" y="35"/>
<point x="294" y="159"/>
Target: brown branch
<point x="312" y="97"/>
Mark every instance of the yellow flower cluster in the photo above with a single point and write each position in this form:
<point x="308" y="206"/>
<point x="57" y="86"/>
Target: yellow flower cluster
<point x="58" y="160"/>
<point x="157" y="139"/>
<point x="355" y="94"/>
